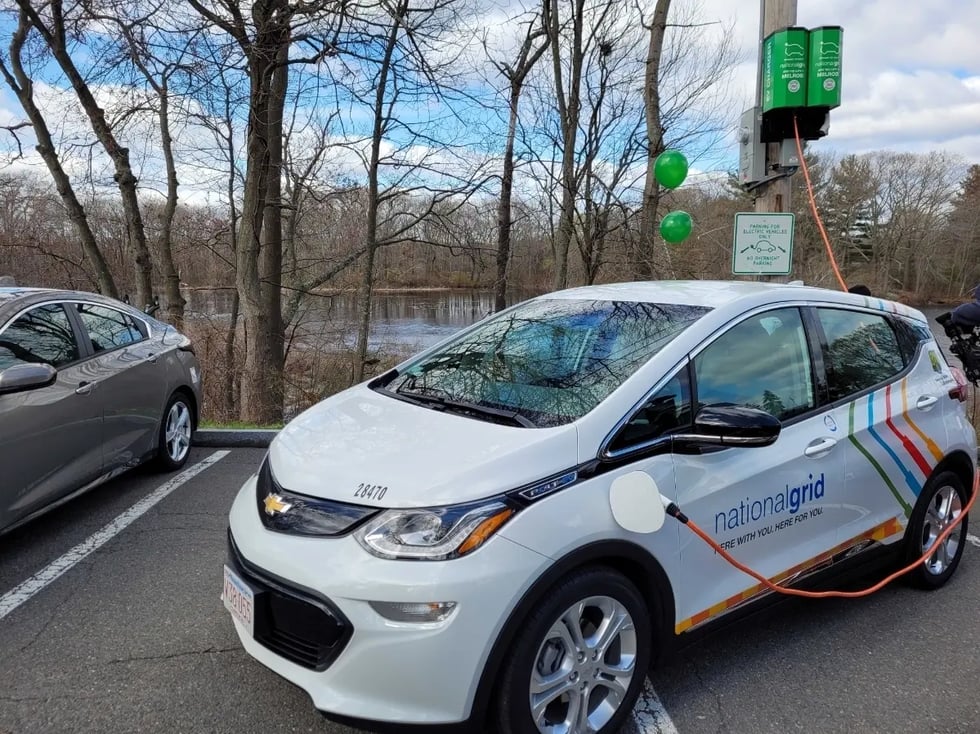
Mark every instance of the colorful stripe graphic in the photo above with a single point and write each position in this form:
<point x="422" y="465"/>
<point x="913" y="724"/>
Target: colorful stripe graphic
<point x="934" y="449"/>
<point x="874" y="462"/>
<point x="879" y="533"/>
<point x="910" y="479"/>
<point x="910" y="447"/>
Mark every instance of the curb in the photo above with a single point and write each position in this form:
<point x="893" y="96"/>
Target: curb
<point x="232" y="438"/>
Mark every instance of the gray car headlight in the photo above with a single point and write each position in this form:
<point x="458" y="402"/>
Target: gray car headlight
<point x="435" y="534"/>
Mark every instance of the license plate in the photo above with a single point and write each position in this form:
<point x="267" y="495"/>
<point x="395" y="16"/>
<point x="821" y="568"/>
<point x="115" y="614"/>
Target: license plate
<point x="239" y="599"/>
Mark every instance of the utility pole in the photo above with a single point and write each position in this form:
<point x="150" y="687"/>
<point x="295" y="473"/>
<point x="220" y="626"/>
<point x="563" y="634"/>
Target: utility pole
<point x="773" y="196"/>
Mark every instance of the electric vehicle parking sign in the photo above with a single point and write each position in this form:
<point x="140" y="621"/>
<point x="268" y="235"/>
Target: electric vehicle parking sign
<point x="763" y="244"/>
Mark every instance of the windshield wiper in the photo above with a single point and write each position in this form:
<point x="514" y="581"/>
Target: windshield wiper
<point x="463" y="406"/>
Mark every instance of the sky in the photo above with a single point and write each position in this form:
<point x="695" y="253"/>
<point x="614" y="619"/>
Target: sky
<point x="911" y="82"/>
<point x="911" y="71"/>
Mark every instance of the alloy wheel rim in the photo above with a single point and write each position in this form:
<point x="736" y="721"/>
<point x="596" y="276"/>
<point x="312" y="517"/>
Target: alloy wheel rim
<point x="583" y="668"/>
<point x="944" y="508"/>
<point x="178" y="431"/>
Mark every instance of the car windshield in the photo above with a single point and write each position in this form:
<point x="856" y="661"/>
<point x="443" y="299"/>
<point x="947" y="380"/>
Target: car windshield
<point x="546" y="362"/>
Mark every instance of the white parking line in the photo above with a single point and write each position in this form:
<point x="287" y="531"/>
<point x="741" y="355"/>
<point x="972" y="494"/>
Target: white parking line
<point x="24" y="591"/>
<point x="650" y="715"/>
<point x="973" y="539"/>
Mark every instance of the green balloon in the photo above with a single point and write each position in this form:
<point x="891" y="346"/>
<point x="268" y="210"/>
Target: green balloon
<point x="670" y="169"/>
<point x="676" y="227"/>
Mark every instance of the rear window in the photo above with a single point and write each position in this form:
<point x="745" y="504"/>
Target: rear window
<point x="108" y="328"/>
<point x="551" y="361"/>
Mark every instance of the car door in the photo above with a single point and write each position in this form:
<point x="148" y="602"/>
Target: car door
<point x="774" y="508"/>
<point x="889" y="410"/>
<point x="131" y="383"/>
<point x="50" y="438"/>
<point x="643" y="443"/>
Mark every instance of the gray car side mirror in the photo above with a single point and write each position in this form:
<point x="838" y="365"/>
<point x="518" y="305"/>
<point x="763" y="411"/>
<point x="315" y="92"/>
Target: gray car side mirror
<point x="23" y="377"/>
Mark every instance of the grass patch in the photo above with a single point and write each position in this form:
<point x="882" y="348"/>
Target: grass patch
<point x="240" y="425"/>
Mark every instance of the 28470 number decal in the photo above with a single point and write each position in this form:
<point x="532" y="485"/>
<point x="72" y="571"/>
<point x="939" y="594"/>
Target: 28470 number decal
<point x="370" y="491"/>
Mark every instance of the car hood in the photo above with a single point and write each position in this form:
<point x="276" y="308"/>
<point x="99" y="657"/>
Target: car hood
<point x="424" y="457"/>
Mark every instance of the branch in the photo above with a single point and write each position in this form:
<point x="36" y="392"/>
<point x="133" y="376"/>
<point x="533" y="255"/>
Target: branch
<point x="12" y="129"/>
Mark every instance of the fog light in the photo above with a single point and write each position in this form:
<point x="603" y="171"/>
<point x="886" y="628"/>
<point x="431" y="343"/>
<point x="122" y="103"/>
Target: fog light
<point x="417" y="612"/>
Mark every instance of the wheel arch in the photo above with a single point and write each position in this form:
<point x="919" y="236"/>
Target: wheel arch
<point x="629" y="559"/>
<point x="960" y="463"/>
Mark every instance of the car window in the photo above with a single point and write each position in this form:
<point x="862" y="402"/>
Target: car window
<point x="42" y="335"/>
<point x="762" y="362"/>
<point x="550" y="360"/>
<point x="910" y="335"/>
<point x="108" y="328"/>
<point x="863" y="351"/>
<point x="664" y="412"/>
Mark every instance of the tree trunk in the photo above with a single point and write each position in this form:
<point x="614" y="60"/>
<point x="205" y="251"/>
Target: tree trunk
<point x="259" y="245"/>
<point x="504" y="220"/>
<point x="371" y="235"/>
<point x="643" y="266"/>
<point x="272" y="238"/>
<point x="568" y="112"/>
<point x="231" y="369"/>
<point x="171" y="278"/>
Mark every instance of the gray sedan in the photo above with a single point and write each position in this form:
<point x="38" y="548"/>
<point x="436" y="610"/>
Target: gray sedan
<point x="89" y="387"/>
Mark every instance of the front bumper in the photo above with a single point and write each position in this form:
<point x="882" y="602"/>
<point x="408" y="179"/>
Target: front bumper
<point x="378" y="669"/>
<point x="301" y="626"/>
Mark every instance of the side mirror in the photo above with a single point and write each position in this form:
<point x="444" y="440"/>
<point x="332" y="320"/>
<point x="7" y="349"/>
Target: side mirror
<point x="23" y="377"/>
<point x="732" y="425"/>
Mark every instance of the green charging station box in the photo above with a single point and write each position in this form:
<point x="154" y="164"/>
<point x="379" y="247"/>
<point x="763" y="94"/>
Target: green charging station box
<point x="824" y="67"/>
<point x="784" y="69"/>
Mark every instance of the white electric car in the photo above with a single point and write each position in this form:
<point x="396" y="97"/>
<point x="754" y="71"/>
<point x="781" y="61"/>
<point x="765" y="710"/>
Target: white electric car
<point x="459" y="540"/>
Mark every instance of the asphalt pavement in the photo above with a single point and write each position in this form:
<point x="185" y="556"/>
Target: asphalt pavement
<point x="132" y="637"/>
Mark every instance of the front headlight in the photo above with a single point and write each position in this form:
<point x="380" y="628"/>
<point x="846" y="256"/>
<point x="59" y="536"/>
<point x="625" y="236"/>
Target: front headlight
<point x="435" y="534"/>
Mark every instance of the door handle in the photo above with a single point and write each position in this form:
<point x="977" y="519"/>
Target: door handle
<point x="84" y="388"/>
<point x="151" y="357"/>
<point x="819" y="447"/>
<point x="926" y="402"/>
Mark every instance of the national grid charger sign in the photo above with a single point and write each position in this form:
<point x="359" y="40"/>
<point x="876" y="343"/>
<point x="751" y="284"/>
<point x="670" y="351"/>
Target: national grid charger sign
<point x="763" y="244"/>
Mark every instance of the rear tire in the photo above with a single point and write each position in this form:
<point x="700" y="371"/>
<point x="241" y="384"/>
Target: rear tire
<point x="580" y="661"/>
<point x="176" y="429"/>
<point x="942" y="500"/>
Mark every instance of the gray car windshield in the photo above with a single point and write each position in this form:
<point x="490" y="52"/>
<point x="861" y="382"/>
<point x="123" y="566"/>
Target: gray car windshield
<point x="544" y="363"/>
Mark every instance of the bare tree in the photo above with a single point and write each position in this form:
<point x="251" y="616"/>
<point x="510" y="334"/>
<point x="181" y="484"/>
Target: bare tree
<point x="21" y="83"/>
<point x="535" y="42"/>
<point x="160" y="53"/>
<point x="55" y="30"/>
<point x="569" y="46"/>
<point x="686" y="101"/>
<point x="413" y="170"/>
<point x="655" y="139"/>
<point x="264" y="40"/>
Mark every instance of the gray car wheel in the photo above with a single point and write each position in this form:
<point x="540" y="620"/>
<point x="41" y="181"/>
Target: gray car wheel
<point x="176" y="430"/>
<point x="580" y="662"/>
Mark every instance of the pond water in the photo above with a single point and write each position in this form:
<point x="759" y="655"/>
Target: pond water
<point x="401" y="322"/>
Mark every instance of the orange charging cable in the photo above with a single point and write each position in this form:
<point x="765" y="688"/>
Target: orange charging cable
<point x="813" y="206"/>
<point x="675" y="512"/>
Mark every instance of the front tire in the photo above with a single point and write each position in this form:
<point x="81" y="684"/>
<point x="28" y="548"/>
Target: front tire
<point x="579" y="663"/>
<point x="942" y="501"/>
<point x="176" y="428"/>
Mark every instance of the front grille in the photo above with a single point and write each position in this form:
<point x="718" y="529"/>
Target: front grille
<point x="303" y="627"/>
<point x="300" y="514"/>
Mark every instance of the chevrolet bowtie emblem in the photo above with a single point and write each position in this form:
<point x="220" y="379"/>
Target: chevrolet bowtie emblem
<point x="275" y="505"/>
